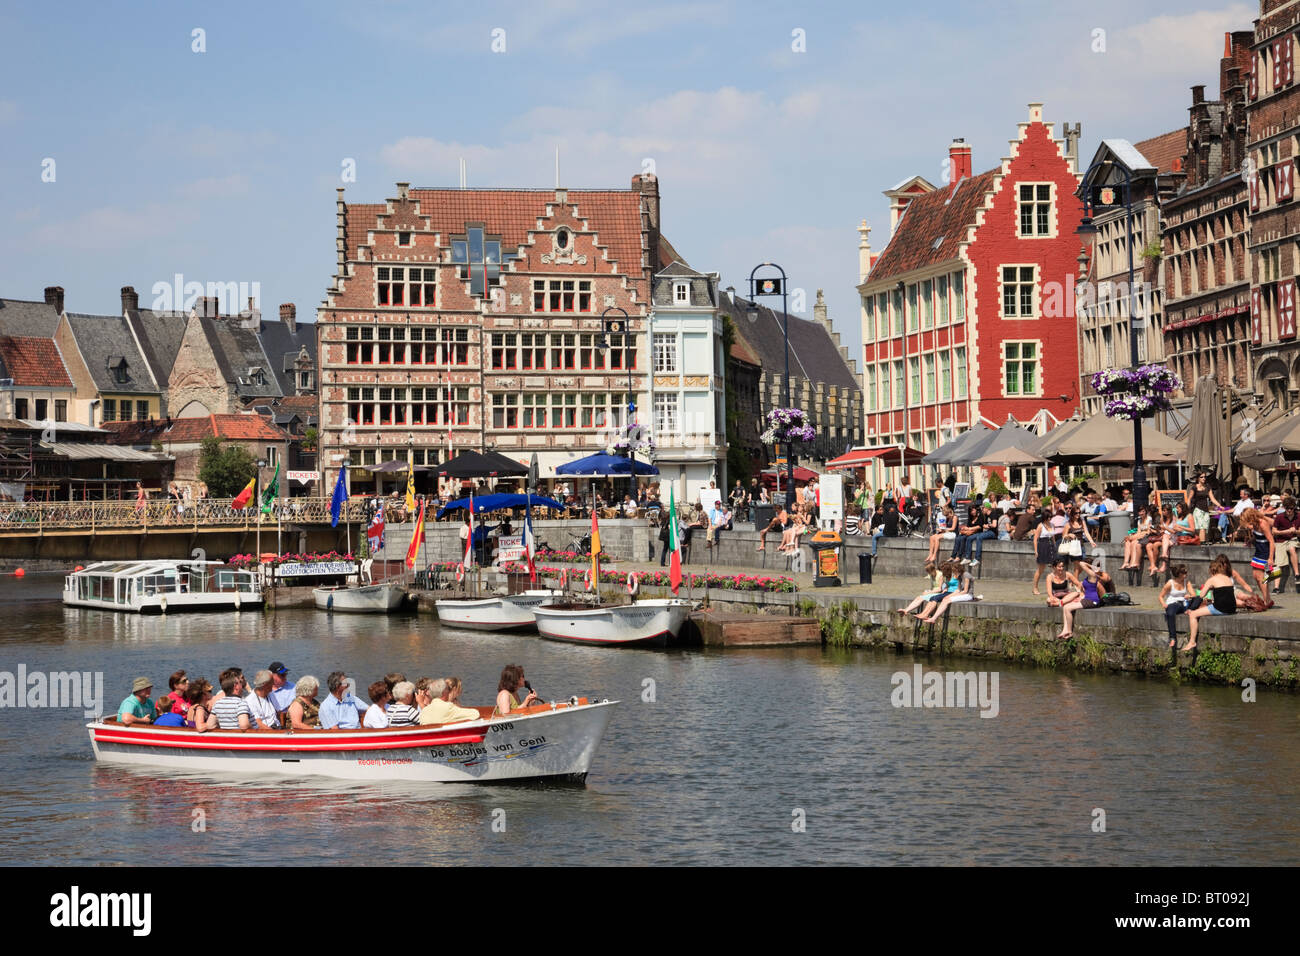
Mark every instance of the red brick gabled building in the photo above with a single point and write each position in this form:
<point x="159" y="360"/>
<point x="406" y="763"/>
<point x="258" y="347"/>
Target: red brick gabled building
<point x="470" y="318"/>
<point x="968" y="313"/>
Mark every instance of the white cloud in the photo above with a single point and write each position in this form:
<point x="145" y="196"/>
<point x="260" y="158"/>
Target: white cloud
<point x="1169" y="44"/>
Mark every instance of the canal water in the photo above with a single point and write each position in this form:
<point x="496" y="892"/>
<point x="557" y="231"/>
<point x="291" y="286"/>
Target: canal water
<point x="792" y="756"/>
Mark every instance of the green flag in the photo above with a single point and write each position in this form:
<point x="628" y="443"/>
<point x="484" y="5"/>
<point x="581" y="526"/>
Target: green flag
<point x="271" y="491"/>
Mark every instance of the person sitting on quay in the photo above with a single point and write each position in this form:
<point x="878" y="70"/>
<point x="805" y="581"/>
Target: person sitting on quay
<point x="1178" y="597"/>
<point x="1220" y="595"/>
<point x="1093" y="585"/>
<point x="780" y="521"/>
<point x="1260" y="529"/>
<point x="1134" y="541"/>
<point x="231" y="709"/>
<point x="884" y="524"/>
<point x="282" y="690"/>
<point x="944" y="522"/>
<point x="303" y="711"/>
<point x="1062" y="587"/>
<point x="962" y="592"/>
<point x="340" y="709"/>
<point x="445" y="708"/>
<point x="512" y="679"/>
<point x="1026" y="522"/>
<point x="940" y="578"/>
<point x="1286" y="536"/>
<point x="260" y="707"/>
<point x="137" y="708"/>
<point x="199" y="715"/>
<point x="402" y="711"/>
<point x="376" y="716"/>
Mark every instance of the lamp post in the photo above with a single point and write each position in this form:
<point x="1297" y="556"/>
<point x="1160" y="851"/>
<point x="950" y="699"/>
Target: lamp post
<point x="907" y="377"/>
<point x="623" y="327"/>
<point x="1141" y="490"/>
<point x="777" y="287"/>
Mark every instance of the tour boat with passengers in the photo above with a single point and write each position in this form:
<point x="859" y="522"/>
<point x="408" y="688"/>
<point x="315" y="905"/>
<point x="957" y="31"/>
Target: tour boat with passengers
<point x="162" y="586"/>
<point x="544" y="741"/>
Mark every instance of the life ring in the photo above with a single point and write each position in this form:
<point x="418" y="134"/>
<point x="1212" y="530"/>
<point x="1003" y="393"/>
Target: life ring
<point x="590" y="584"/>
<point x="633" y="583"/>
<point x="460" y="571"/>
<point x="162" y="604"/>
<point x="564" y="578"/>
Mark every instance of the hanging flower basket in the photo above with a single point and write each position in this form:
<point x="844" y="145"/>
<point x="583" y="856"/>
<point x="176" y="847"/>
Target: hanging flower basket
<point x="787" y="425"/>
<point x="637" y="438"/>
<point x="1136" y="393"/>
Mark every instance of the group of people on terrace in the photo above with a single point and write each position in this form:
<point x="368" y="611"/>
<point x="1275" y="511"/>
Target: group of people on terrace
<point x="271" y="701"/>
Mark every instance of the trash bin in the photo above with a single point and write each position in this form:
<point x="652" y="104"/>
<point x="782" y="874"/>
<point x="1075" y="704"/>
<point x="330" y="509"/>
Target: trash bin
<point x="1121" y="523"/>
<point x="864" y="567"/>
<point x="826" y="559"/>
<point x="763" y="515"/>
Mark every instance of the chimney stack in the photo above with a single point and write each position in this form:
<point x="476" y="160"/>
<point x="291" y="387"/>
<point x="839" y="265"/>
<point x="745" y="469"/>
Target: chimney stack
<point x="54" y="297"/>
<point x="959" y="160"/>
<point x="1198" y="93"/>
<point x="208" y="307"/>
<point x="648" y="185"/>
<point x="130" y="299"/>
<point x="289" y="316"/>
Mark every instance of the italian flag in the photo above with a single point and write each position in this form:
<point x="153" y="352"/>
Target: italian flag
<point x="245" y="496"/>
<point x="675" y="546"/>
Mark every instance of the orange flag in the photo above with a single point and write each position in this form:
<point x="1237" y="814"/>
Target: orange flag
<point x="417" y="539"/>
<point x="245" y="496"/>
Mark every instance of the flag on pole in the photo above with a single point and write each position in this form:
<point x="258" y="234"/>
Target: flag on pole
<point x="410" y="485"/>
<point x="467" y="559"/>
<point x="271" y="491"/>
<point x="595" y="551"/>
<point x="340" y="495"/>
<point x="417" y="539"/>
<point x="375" y="533"/>
<point x="530" y="543"/>
<point x="244" y="497"/>
<point x="674" y="545"/>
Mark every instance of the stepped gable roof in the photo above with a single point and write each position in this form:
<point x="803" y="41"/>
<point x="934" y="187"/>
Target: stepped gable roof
<point x="614" y="215"/>
<point x="106" y="343"/>
<point x="32" y="362"/>
<point x="282" y="348"/>
<point x="1162" y="151"/>
<point x="933" y="227"/>
<point x="23" y="318"/>
<point x="813" y="354"/>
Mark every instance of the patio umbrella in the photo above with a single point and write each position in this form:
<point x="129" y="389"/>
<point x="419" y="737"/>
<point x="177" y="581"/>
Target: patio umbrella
<point x="1126" y="456"/>
<point x="394" y="465"/>
<point x="1207" y="443"/>
<point x="1275" y="446"/>
<point x="472" y="464"/>
<point x="533" y="474"/>
<point x="1010" y="434"/>
<point x="1011" y="455"/>
<point x="499" y="502"/>
<point x="943" y="454"/>
<point x="1098" y="435"/>
<point x="602" y="464"/>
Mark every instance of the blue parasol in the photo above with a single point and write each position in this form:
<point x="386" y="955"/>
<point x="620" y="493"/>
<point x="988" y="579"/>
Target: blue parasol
<point x="498" y="502"/>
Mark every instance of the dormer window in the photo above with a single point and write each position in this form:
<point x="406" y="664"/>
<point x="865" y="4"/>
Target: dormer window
<point x="478" y="259"/>
<point x="681" y="293"/>
<point x="256" y="376"/>
<point x="118" y="368"/>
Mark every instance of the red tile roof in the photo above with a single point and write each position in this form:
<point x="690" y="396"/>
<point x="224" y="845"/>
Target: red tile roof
<point x="33" y="362"/>
<point x="1164" y="149"/>
<point x="929" y="218"/>
<point x="194" y="430"/>
<point x="740" y="350"/>
<point x="614" y="215"/>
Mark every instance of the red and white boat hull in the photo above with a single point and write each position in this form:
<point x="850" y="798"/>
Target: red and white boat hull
<point x="539" y="743"/>
<point x="647" y="623"/>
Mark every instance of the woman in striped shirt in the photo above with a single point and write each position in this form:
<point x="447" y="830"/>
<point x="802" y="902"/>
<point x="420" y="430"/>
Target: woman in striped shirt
<point x="402" y="711"/>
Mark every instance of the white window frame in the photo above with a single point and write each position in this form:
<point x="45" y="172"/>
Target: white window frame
<point x="681" y="293"/>
<point x="1034" y="202"/>
<point x="1018" y="283"/>
<point x="666" y="413"/>
<point x="665" y="353"/>
<point x="1018" y="360"/>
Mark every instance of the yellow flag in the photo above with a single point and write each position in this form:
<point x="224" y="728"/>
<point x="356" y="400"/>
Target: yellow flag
<point x="410" y="486"/>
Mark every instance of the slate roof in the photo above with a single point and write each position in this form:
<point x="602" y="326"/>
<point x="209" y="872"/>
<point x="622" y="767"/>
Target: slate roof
<point x="941" y="217"/>
<point x="159" y="335"/>
<point x="614" y="215"/>
<point x="811" y="347"/>
<point x="23" y="318"/>
<point x="105" y="340"/>
<point x="282" y="346"/>
<point x="662" y="296"/>
<point x="238" y="352"/>
<point x="32" y="362"/>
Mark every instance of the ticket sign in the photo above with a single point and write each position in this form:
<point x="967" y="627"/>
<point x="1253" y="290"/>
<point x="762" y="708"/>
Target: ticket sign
<point x="510" y="548"/>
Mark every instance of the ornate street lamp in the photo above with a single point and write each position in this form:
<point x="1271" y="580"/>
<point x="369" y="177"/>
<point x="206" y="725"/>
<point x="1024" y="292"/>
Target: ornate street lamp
<point x="774" y="286"/>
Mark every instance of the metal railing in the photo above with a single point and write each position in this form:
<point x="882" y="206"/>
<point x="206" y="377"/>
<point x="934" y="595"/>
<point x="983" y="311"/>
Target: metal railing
<point x="93" y="516"/>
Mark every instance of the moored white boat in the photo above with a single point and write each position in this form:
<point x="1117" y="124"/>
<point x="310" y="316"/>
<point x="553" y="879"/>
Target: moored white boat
<point x="543" y="741"/>
<point x="366" y="599"/>
<point x="495" y="613"/>
<point x="162" y="586"/>
<point x="643" y="623"/>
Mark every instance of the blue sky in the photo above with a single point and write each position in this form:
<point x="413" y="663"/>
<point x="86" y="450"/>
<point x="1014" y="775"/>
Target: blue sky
<point x="222" y="165"/>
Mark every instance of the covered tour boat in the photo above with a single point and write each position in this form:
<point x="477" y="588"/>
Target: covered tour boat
<point x="649" y="623"/>
<point x="505" y="613"/>
<point x="556" y="740"/>
<point x="162" y="586"/>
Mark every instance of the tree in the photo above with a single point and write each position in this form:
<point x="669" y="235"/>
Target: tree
<point x="309" y="438"/>
<point x="225" y="470"/>
<point x="996" y="486"/>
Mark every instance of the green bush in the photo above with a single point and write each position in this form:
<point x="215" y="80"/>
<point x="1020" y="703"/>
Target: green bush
<point x="996" y="486"/>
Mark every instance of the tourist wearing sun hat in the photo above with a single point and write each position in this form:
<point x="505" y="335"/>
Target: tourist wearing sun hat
<point x="137" y="709"/>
